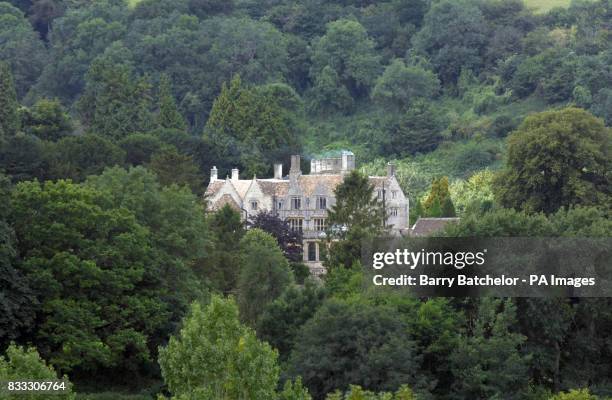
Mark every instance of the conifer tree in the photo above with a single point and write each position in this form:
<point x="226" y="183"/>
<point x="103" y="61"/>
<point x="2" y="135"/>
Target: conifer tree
<point x="9" y="119"/>
<point x="168" y="115"/>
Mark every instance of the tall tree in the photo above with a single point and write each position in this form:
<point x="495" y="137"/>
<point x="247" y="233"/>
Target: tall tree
<point x="115" y="103"/>
<point x="439" y="202"/>
<point x="557" y="159"/>
<point x="487" y="362"/>
<point x="357" y="214"/>
<point x="173" y="167"/>
<point x="86" y="261"/>
<point x="9" y="118"/>
<point x="214" y="356"/>
<point x="264" y="274"/>
<point x="168" y="115"/>
<point x="348" y="50"/>
<point x="48" y="120"/>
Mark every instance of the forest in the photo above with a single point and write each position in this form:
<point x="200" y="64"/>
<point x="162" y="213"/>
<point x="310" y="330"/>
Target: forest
<point x="114" y="276"/>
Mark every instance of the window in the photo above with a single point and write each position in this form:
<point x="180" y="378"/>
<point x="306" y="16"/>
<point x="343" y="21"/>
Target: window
<point x="394" y="194"/>
<point x="254" y="204"/>
<point x="295" y="224"/>
<point x="312" y="251"/>
<point x="380" y="194"/>
<point x="322" y="203"/>
<point x="320" y="224"/>
<point x="394" y="212"/>
<point x="280" y="205"/>
<point x="296" y="203"/>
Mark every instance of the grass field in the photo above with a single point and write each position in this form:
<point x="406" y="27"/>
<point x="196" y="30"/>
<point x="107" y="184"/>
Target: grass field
<point x="541" y="6"/>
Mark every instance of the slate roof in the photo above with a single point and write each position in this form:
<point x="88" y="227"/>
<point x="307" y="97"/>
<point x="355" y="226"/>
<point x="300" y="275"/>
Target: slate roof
<point x="429" y="226"/>
<point x="279" y="187"/>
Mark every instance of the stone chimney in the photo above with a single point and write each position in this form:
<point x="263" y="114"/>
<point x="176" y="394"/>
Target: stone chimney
<point x="278" y="171"/>
<point x="295" y="165"/>
<point x="213" y="174"/>
<point x="390" y="169"/>
<point x="348" y="161"/>
<point x="235" y="174"/>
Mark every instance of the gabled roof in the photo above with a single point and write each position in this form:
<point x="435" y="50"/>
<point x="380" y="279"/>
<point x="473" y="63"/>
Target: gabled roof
<point x="429" y="226"/>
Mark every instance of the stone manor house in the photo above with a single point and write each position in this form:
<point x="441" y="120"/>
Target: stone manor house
<point x="304" y="200"/>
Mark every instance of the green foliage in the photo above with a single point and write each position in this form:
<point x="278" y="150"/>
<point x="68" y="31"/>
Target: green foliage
<point x="223" y="263"/>
<point x="328" y="94"/>
<point x="575" y="394"/>
<point x="9" y="118"/>
<point x="557" y="159"/>
<point x="453" y="36"/>
<point x="48" y="120"/>
<point x="283" y="318"/>
<point x="25" y="363"/>
<point x="474" y="194"/>
<point x="77" y="157"/>
<point x="352" y="342"/>
<point x="439" y="203"/>
<point x="356" y="392"/>
<point x="168" y="115"/>
<point x="400" y="85"/>
<point x="86" y="261"/>
<point x="348" y="50"/>
<point x="115" y="103"/>
<point x="139" y="147"/>
<point x="294" y="391"/>
<point x="264" y="274"/>
<point x="417" y="131"/>
<point x="214" y="356"/>
<point x="488" y="362"/>
<point x="356" y="215"/>
<point x="172" y="167"/>
<point x="250" y="126"/>
<point x="21" y="48"/>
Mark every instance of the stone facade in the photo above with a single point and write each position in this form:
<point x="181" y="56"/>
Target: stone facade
<point x="304" y="200"/>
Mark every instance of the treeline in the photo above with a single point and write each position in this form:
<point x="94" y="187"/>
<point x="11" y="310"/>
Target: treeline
<point x="392" y="78"/>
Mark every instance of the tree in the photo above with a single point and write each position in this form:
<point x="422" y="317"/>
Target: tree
<point x="86" y="264"/>
<point x="439" y="202"/>
<point x="21" y="48"/>
<point x="115" y="102"/>
<point x="357" y="392"/>
<point x="172" y="167"/>
<point x="454" y="37"/>
<point x="400" y="85"/>
<point x="264" y="274"/>
<point x="215" y="356"/>
<point x="168" y="115"/>
<point x="575" y="394"/>
<point x="329" y="94"/>
<point x="289" y="241"/>
<point x="417" y="131"/>
<point x="357" y="214"/>
<point x="348" y="50"/>
<point x="140" y="147"/>
<point x="77" y="157"/>
<point x="283" y="318"/>
<point x="178" y="236"/>
<point x="47" y="120"/>
<point x="557" y="159"/>
<point x="24" y="157"/>
<point x="25" y="363"/>
<point x="227" y="230"/>
<point x="487" y="362"/>
<point x="9" y="118"/>
<point x="253" y="126"/>
<point x="17" y="301"/>
<point x="294" y="391"/>
<point x="354" y="343"/>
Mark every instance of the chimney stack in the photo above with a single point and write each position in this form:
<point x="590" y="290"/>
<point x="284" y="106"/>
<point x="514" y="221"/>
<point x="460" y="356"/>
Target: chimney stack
<point x="295" y="165"/>
<point x="235" y="174"/>
<point x="213" y="174"/>
<point x="390" y="169"/>
<point x="278" y="171"/>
